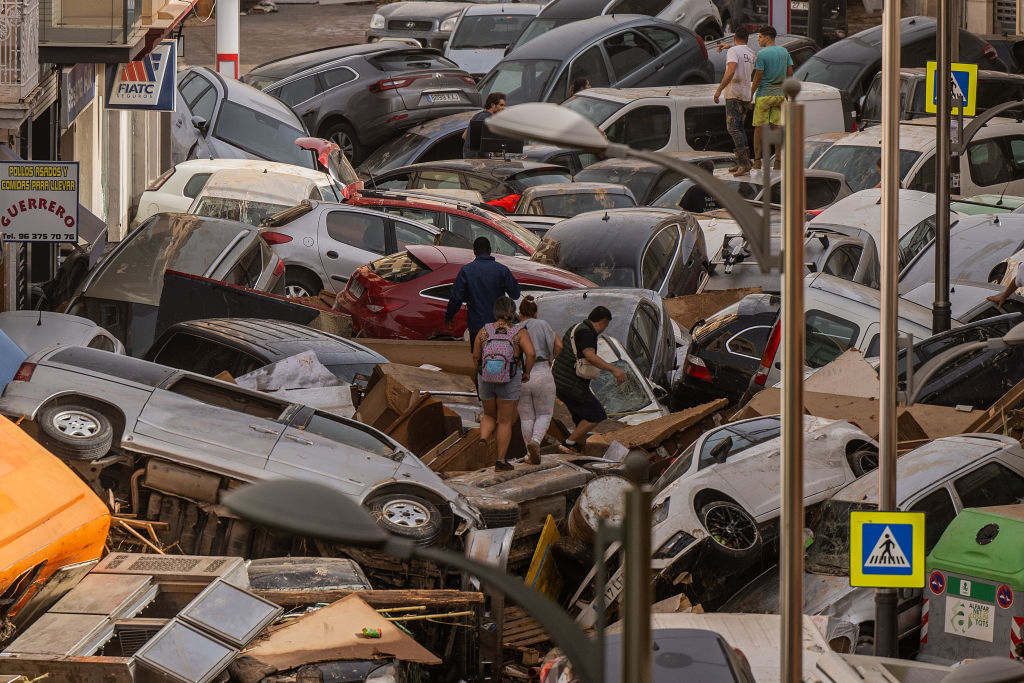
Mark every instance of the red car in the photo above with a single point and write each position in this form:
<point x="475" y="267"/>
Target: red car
<point x="461" y="218"/>
<point x="404" y="296"/>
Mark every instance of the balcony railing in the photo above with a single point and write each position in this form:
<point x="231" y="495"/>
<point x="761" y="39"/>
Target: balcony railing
<point x="19" y="49"/>
<point x="90" y="22"/>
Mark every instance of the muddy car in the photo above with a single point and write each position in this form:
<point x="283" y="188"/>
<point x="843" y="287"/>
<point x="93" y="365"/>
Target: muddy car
<point x="939" y="479"/>
<point x="152" y="437"/>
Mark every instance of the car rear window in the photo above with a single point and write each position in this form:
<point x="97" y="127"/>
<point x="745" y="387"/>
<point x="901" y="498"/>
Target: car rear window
<point x="261" y="134"/>
<point x="859" y="164"/>
<point x="412" y="60"/>
<point x="540" y="177"/>
<point x="592" y="109"/>
<point x="123" y="367"/>
<point x="400" y="267"/>
<point x="488" y="31"/>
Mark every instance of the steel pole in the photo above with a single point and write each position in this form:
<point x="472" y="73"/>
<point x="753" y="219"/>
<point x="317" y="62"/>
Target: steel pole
<point x="636" y="631"/>
<point x="941" y="306"/>
<point x="885" y="598"/>
<point x="227" y="38"/>
<point x="792" y="537"/>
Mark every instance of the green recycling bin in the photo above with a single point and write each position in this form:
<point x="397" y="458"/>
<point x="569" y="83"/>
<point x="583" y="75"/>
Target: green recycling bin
<point x="974" y="591"/>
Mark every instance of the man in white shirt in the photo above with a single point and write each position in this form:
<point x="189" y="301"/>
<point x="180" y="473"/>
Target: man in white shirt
<point x="1011" y="287"/>
<point x="736" y="85"/>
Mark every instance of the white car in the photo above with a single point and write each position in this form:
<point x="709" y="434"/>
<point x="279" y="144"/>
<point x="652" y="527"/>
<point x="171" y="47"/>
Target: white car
<point x="175" y="190"/>
<point x="250" y="195"/>
<point x="485" y="31"/>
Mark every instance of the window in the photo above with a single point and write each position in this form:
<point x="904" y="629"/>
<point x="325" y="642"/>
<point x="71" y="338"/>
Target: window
<point x="422" y="215"/>
<point x="643" y="128"/>
<point x="406" y="60"/>
<point x="843" y="260"/>
<point x="479" y="183"/>
<point x="938" y="511"/>
<point x="591" y="66"/>
<point x="859" y="163"/>
<point x="873" y="347"/>
<point x="204" y="105"/>
<point x="628" y="51"/>
<point x="297" y="91"/>
<point x="195" y="185"/>
<point x="915" y="240"/>
<point x="522" y="80"/>
<point x="395" y="182"/>
<point x="595" y="110"/>
<point x="991" y="484"/>
<point x="704" y="128"/>
<point x="440" y="180"/>
<point x="661" y="185"/>
<point x="827" y="337"/>
<point x="348" y="433"/>
<point x="124" y="367"/>
<point x="205" y="357"/>
<point x="988" y="162"/>
<point x="643" y="334"/>
<point x="662" y="37"/>
<point x="488" y="31"/>
<point x="101" y="342"/>
<point x="469" y="229"/>
<point x="246" y="272"/>
<point x="200" y="96"/>
<point x="448" y="147"/>
<point x="750" y="342"/>
<point x="226" y="397"/>
<point x="332" y="78"/>
<point x="658" y="257"/>
<point x="801" y="55"/>
<point x="265" y="135"/>
<point x="400" y="267"/>
<point x="406" y="234"/>
<point x="743" y="435"/>
<point x="924" y="179"/>
<point x="360" y="230"/>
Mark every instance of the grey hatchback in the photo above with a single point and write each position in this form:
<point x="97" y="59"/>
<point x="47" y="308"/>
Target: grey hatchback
<point x="365" y="95"/>
<point x="623" y="51"/>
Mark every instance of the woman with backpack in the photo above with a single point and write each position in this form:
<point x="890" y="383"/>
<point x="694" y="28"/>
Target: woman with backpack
<point x="537" y="398"/>
<point x="499" y="349"/>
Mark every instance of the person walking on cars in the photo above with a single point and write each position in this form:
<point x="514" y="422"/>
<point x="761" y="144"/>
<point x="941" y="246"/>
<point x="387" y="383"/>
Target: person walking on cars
<point x="772" y="66"/>
<point x="537" y="398"/>
<point x="478" y="284"/>
<point x="736" y="86"/>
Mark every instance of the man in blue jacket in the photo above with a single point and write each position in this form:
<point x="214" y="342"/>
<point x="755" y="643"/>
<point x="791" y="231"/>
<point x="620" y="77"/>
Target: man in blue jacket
<point x="479" y="284"/>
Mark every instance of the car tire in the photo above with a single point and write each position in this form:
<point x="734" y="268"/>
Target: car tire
<point x="75" y="432"/>
<point x="732" y="532"/>
<point x="407" y="516"/>
<point x="301" y="284"/>
<point x="342" y="134"/>
<point x="863" y="460"/>
<point x="709" y="31"/>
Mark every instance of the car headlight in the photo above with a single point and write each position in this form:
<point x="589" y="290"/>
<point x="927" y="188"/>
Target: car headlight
<point x="660" y="512"/>
<point x="377" y="21"/>
<point x="448" y="25"/>
<point x="679" y="542"/>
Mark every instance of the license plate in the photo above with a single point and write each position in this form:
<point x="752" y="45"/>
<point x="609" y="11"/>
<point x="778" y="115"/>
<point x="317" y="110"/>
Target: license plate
<point x="443" y="97"/>
<point x="796" y="4"/>
<point x="356" y="288"/>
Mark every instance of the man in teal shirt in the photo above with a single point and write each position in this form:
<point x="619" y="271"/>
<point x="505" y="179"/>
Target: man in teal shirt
<point x="772" y="67"/>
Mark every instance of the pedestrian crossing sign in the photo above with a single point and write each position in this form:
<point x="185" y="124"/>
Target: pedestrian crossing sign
<point x="964" y="87"/>
<point x="887" y="549"/>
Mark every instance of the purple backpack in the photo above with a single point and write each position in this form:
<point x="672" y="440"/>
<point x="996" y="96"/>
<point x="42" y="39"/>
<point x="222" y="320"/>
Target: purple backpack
<point x="497" y="357"/>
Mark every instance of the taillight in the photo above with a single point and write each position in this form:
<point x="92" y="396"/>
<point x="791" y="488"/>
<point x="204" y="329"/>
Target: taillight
<point x="377" y="304"/>
<point x="703" y="48"/>
<point x="761" y="376"/>
<point x="695" y="367"/>
<point x="24" y="372"/>
<point x="164" y="177"/>
<point x="279" y="268"/>
<point x="398" y="117"/>
<point x="390" y="84"/>
<point x="990" y="52"/>
<point x="271" y="237"/>
<point x="810" y="215"/>
<point x="467" y="79"/>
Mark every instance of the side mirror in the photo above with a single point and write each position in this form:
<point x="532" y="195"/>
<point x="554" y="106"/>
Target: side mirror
<point x="721" y="450"/>
<point x="200" y="124"/>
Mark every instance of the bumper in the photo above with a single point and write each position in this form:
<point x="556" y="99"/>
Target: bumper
<point x="425" y="38"/>
<point x="19" y="400"/>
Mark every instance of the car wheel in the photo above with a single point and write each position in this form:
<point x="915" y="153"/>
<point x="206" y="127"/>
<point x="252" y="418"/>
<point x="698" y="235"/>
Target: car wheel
<point x="300" y="284"/>
<point x="733" y="532"/>
<point x="345" y="137"/>
<point x="866" y="639"/>
<point x="710" y="31"/>
<point x="863" y="460"/>
<point x="75" y="432"/>
<point x="408" y="516"/>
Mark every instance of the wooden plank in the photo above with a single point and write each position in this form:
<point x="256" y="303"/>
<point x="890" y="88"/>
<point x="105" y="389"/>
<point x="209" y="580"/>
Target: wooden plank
<point x="993" y="417"/>
<point x="69" y="669"/>
<point x="379" y="599"/>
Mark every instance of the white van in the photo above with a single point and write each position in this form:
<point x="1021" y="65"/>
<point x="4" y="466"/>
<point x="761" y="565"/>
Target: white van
<point x="685" y="117"/>
<point x="994" y="162"/>
<point x="484" y="32"/>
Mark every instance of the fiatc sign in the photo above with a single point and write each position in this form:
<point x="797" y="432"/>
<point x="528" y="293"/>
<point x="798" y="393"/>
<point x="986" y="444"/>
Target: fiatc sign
<point x="148" y="83"/>
<point x="39" y="201"/>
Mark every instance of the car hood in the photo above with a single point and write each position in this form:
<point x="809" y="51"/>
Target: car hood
<point x="525" y="483"/>
<point x="420" y="10"/>
<point x="823" y="594"/>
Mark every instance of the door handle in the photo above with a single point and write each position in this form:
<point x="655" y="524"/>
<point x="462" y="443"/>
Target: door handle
<point x="332" y="254"/>
<point x="262" y="430"/>
<point x="295" y="438"/>
<point x="659" y="67"/>
<point x="339" y="278"/>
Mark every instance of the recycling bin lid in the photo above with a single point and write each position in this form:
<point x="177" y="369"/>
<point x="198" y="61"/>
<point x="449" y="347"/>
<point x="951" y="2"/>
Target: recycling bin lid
<point x="983" y="543"/>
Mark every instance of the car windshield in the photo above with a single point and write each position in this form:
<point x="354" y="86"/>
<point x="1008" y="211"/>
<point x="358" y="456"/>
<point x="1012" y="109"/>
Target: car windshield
<point x="398" y="152"/>
<point x="620" y="399"/>
<point x="521" y="234"/>
<point x="522" y="80"/>
<point x="245" y="211"/>
<point x="605" y="275"/>
<point x="539" y="27"/>
<point x="638" y="181"/>
<point x="488" y="31"/>
<point x="859" y="164"/>
<point x="261" y="82"/>
<point x="542" y="176"/>
<point x="261" y="134"/>
<point x="406" y="60"/>
<point x="568" y="205"/>
<point x="842" y="75"/>
<point x="592" y="109"/>
<point x="670" y="198"/>
<point x="830" y="551"/>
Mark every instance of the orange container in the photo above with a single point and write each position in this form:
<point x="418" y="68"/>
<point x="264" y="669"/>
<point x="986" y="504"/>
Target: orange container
<point x="48" y="517"/>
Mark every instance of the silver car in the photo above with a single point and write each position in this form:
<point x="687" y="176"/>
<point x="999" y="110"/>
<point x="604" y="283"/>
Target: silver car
<point x="322" y="243"/>
<point x="36" y="330"/>
<point x="194" y="437"/>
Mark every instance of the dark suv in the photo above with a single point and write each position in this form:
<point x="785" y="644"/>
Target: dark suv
<point x="368" y="94"/>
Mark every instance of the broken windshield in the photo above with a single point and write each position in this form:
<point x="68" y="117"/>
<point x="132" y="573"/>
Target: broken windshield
<point x="621" y="399"/>
<point x="830" y="551"/>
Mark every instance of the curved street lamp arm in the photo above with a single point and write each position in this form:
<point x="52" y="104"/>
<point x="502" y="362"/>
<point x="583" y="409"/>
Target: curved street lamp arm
<point x="755" y="226"/>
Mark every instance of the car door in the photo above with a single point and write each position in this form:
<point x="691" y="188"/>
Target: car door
<point x="321" y="446"/>
<point x="591" y="64"/>
<point x="304" y="95"/>
<point x="645" y="127"/>
<point x="657" y="260"/>
<point x="634" y="60"/>
<point x="738" y="357"/>
<point x="405" y="233"/>
<point x="212" y="422"/>
<point x="642" y="339"/>
<point x="197" y="97"/>
<point x="349" y="239"/>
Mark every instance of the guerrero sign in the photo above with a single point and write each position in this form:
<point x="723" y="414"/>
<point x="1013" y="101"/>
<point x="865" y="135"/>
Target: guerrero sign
<point x="39" y="201"/>
<point x="148" y="83"/>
